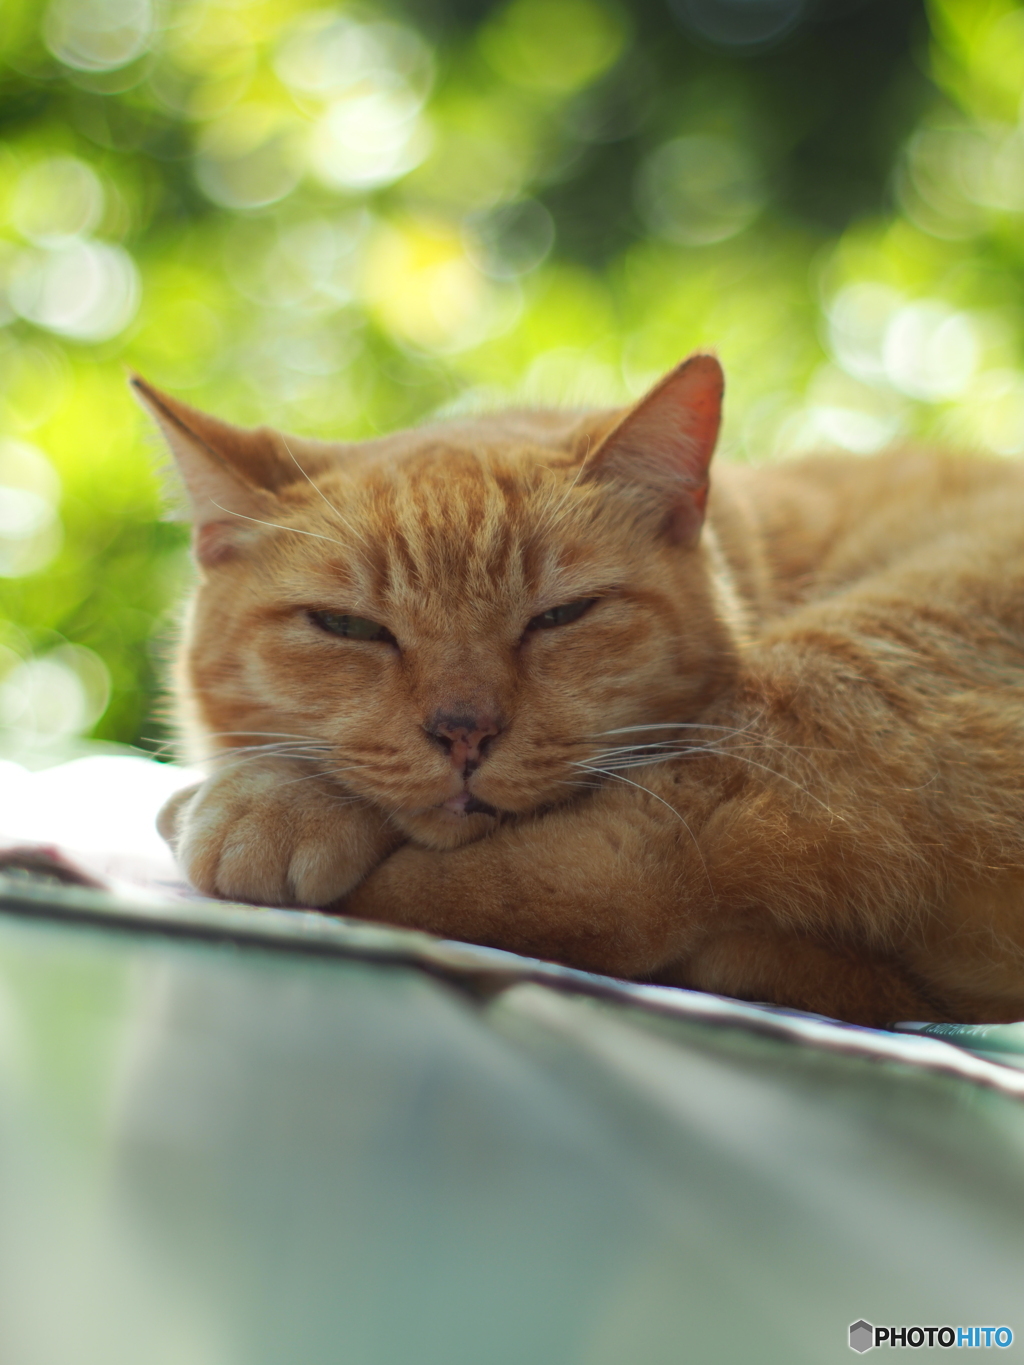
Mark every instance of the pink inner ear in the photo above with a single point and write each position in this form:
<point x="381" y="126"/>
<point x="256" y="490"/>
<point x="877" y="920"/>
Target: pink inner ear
<point x="214" y="542"/>
<point x="667" y="441"/>
<point x="698" y="398"/>
<point x="677" y="422"/>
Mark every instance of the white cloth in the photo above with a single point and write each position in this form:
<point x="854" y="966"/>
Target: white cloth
<point x="98" y="814"/>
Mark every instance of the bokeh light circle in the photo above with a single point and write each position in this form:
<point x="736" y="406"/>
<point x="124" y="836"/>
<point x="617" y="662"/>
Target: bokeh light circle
<point x="57" y="199"/>
<point x="930" y="351"/>
<point x="510" y="240"/>
<point x="88" y="291"/>
<point x="738" y="23"/>
<point x="98" y="35"/>
<point x="699" y="189"/>
<point x="247" y="158"/>
<point x="325" y="53"/>
<point x="55" y="695"/>
<point x="30" y="529"/>
<point x="368" y="138"/>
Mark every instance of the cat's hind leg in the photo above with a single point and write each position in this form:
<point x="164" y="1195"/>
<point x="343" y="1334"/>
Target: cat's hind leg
<point x="791" y="970"/>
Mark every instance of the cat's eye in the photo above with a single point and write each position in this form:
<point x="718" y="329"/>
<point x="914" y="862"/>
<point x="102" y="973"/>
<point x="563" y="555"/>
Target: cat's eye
<point x="561" y="616"/>
<point x="352" y="627"/>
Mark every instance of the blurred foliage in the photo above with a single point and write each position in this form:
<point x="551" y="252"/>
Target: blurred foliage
<point x="340" y="220"/>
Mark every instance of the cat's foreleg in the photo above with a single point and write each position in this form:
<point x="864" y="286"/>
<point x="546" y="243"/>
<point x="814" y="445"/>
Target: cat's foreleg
<point x="596" y="888"/>
<point x="620" y="885"/>
<point x="271" y="832"/>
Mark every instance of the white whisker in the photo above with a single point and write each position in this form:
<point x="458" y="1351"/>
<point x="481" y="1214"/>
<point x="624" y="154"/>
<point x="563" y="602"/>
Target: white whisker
<point x="660" y="747"/>
<point x="275" y="527"/>
<point x="298" y="743"/>
<point x="678" y="725"/>
<point x="270" y="734"/>
<point x="683" y="752"/>
<point x="640" y="787"/>
<point x="328" y="773"/>
<point x="337" y="512"/>
<point x="232" y="765"/>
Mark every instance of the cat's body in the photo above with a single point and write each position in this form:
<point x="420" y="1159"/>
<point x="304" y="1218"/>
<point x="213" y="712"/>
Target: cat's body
<point x="781" y="757"/>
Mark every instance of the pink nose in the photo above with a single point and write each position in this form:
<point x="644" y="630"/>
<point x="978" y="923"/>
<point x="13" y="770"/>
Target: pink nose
<point x="464" y="736"/>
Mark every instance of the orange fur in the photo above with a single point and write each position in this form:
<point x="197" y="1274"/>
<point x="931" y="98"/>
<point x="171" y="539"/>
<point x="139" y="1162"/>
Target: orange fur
<point x="781" y="757"/>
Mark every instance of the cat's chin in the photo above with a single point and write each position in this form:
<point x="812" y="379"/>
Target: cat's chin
<point x="442" y="829"/>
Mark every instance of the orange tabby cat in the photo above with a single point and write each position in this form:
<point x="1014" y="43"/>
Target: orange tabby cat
<point x="519" y="680"/>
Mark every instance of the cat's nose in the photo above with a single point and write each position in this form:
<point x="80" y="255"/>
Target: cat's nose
<point x="464" y="735"/>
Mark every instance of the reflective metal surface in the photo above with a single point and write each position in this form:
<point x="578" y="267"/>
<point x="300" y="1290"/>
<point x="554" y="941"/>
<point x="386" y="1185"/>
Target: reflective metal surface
<point x="214" y="1154"/>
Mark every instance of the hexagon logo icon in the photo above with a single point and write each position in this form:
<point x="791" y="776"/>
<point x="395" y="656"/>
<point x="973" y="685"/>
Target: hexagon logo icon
<point x="862" y="1336"/>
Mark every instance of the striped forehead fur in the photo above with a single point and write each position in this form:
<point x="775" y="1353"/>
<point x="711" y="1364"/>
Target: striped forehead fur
<point x="465" y="524"/>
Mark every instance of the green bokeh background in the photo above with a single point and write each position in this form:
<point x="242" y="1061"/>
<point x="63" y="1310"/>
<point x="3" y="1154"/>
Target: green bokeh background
<point x="341" y="220"/>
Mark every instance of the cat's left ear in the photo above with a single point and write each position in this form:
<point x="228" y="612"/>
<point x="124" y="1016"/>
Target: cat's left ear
<point x="666" y="441"/>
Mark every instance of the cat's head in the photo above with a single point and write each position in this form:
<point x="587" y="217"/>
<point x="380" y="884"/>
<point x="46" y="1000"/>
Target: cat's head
<point x="461" y="620"/>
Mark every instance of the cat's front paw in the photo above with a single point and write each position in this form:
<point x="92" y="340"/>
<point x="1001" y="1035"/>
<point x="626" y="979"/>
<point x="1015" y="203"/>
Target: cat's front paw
<point x="270" y="833"/>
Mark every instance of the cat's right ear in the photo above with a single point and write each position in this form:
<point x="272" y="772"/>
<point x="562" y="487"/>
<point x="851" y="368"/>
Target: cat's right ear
<point x="664" y="444"/>
<point x="230" y="473"/>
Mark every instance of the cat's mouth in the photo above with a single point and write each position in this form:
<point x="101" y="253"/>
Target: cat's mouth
<point x="458" y="820"/>
<point x="466" y="804"/>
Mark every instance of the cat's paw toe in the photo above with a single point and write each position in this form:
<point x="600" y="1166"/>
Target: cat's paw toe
<point x="251" y="858"/>
<point x="317" y="875"/>
<point x="250" y="865"/>
<point x="253" y="838"/>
